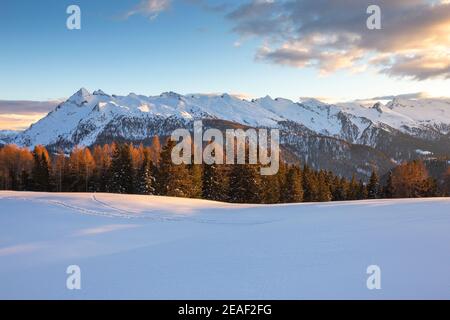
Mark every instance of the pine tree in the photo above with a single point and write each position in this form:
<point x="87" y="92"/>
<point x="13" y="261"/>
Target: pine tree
<point x="324" y="193"/>
<point x="281" y="187"/>
<point x="146" y="176"/>
<point x="172" y="180"/>
<point x="361" y="193"/>
<point x="41" y="169"/>
<point x="196" y="181"/>
<point x="45" y="172"/>
<point x="121" y="171"/>
<point x="338" y="189"/>
<point x="102" y="171"/>
<point x="245" y="184"/>
<point x="294" y="185"/>
<point x="214" y="183"/>
<point x="345" y="188"/>
<point x="270" y="188"/>
<point x="165" y="161"/>
<point x="310" y="185"/>
<point x="179" y="182"/>
<point x="373" y="188"/>
<point x="25" y="183"/>
<point x="352" y="191"/>
<point x="388" y="189"/>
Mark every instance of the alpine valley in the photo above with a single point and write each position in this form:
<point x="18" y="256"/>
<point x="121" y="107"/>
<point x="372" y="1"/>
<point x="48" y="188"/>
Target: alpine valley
<point x="347" y="138"/>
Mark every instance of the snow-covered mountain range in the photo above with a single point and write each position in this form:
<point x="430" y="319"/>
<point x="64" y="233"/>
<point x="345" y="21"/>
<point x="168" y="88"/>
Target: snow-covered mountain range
<point x="348" y="137"/>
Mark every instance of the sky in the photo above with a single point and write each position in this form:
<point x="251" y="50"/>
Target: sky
<point x="253" y="48"/>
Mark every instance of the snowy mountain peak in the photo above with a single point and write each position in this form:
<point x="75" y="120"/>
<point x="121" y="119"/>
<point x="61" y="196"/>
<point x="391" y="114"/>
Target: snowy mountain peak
<point x="170" y="94"/>
<point x="80" y="96"/>
<point x="378" y="106"/>
<point x="100" y="92"/>
<point x="398" y="102"/>
<point x="83" y="92"/>
<point x="312" y="102"/>
<point x="266" y="99"/>
<point x="133" y="95"/>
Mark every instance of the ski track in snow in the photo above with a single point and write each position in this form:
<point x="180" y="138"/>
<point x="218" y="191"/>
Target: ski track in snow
<point x="148" y="214"/>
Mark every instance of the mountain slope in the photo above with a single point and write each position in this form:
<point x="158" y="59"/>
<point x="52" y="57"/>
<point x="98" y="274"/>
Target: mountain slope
<point x="7" y="136"/>
<point x="318" y="133"/>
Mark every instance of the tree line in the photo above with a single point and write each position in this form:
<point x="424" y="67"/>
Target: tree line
<point x="130" y="169"/>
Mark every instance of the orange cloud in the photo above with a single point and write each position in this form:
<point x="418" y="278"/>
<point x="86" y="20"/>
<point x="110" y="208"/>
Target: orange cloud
<point x="414" y="41"/>
<point x="18" y="121"/>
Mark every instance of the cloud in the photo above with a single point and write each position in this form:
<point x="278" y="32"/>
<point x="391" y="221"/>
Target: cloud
<point x="18" y="115"/>
<point x="17" y="121"/>
<point x="149" y="8"/>
<point x="27" y="107"/>
<point x="419" y="67"/>
<point x="238" y="95"/>
<point x="331" y="35"/>
<point x="415" y="95"/>
<point x="20" y="249"/>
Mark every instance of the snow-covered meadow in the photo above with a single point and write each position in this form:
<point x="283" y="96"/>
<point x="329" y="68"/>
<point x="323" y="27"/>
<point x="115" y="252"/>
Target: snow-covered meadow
<point x="142" y="247"/>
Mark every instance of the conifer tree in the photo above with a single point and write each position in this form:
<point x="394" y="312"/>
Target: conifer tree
<point x="146" y="176"/>
<point x="102" y="171"/>
<point x="121" y="170"/>
<point x="41" y="169"/>
<point x="245" y="183"/>
<point x="214" y="183"/>
<point x="196" y="181"/>
<point x="310" y="185"/>
<point x="294" y="185"/>
<point x="345" y="185"/>
<point x="76" y="181"/>
<point x="337" y="189"/>
<point x="361" y="193"/>
<point x="270" y="188"/>
<point x="352" y="191"/>
<point x="373" y="188"/>
<point x="388" y="189"/>
<point x="25" y="183"/>
<point x="324" y="193"/>
<point x="282" y="185"/>
<point x="173" y="180"/>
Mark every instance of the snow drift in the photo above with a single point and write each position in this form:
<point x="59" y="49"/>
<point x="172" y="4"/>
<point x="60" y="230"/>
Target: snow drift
<point x="144" y="247"/>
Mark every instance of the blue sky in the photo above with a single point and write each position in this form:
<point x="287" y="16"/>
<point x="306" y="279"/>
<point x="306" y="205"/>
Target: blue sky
<point x="188" y="46"/>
